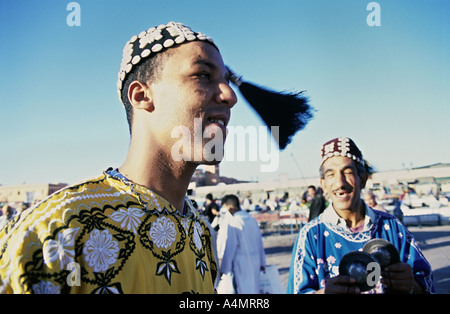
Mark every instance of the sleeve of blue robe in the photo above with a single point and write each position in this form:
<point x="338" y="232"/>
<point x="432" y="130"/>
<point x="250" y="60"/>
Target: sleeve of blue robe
<point x="302" y="275"/>
<point x="410" y="253"/>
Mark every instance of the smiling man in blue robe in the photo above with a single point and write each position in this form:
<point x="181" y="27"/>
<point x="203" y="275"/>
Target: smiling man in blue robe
<point x="347" y="225"/>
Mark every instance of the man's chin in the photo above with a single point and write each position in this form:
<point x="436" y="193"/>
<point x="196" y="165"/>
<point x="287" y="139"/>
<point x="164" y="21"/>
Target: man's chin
<point x="340" y="205"/>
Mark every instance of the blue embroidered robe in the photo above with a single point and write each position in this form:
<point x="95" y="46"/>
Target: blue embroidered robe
<point x="323" y="242"/>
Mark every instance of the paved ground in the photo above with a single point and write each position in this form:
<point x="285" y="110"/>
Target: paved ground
<point x="435" y="244"/>
<point x="433" y="240"/>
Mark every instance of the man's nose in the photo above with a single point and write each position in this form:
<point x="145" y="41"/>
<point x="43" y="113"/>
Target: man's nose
<point x="341" y="180"/>
<point x="226" y="95"/>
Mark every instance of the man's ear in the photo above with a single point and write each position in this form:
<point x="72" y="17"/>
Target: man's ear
<point x="140" y="97"/>
<point x="323" y="185"/>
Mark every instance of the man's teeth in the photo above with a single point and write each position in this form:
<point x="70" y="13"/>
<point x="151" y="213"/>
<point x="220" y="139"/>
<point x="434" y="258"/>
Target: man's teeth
<point x="221" y="122"/>
<point x="341" y="193"/>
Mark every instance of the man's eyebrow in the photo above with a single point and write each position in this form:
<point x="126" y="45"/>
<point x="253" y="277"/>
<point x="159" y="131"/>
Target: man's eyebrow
<point x="351" y="167"/>
<point x="206" y="63"/>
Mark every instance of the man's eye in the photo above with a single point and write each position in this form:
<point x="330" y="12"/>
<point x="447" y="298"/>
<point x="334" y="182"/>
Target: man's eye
<point x="203" y="75"/>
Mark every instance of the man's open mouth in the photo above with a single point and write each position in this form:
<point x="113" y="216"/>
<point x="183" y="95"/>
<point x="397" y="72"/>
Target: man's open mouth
<point x="219" y="121"/>
<point x="342" y="195"/>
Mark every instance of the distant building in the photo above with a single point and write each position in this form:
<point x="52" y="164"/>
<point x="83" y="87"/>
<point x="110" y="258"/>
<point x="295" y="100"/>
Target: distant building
<point x="28" y="193"/>
<point x="431" y="179"/>
<point x="210" y="176"/>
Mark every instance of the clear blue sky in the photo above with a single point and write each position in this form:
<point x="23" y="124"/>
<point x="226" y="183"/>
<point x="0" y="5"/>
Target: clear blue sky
<point x="387" y="87"/>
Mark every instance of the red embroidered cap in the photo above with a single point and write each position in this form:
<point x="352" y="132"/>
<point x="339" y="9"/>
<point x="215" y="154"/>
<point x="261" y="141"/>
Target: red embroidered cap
<point x="341" y="146"/>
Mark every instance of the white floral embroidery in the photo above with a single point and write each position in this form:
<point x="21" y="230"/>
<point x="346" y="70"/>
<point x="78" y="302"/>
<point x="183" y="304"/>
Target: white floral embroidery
<point x="198" y="231"/>
<point x="46" y="287"/>
<point x="322" y="283"/>
<point x="153" y="202"/>
<point x="344" y="145"/>
<point x="61" y="249"/>
<point x="328" y="148"/>
<point x="163" y="232"/>
<point x="100" y="250"/>
<point x="130" y="218"/>
<point x="326" y="233"/>
<point x="185" y="224"/>
<point x="338" y="245"/>
<point x="331" y="259"/>
<point x="335" y="270"/>
<point x="386" y="227"/>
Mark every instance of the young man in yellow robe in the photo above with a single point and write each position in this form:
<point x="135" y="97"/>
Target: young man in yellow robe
<point x="132" y="229"/>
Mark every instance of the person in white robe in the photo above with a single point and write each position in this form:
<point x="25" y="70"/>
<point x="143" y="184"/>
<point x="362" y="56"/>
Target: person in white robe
<point x="240" y="250"/>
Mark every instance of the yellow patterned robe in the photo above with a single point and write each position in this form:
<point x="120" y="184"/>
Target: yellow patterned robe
<point x="106" y="235"/>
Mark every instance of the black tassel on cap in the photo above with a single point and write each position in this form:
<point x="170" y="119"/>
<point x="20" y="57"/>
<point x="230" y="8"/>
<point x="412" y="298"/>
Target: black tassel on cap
<point x="289" y="111"/>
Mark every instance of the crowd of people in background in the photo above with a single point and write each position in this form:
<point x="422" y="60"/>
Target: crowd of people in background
<point x="313" y="201"/>
<point x="8" y="212"/>
<point x="238" y="245"/>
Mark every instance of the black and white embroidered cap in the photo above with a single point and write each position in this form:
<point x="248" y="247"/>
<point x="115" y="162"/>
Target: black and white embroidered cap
<point x="153" y="41"/>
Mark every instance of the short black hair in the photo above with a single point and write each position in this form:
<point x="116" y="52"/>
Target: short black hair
<point x="148" y="71"/>
<point x="231" y="200"/>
